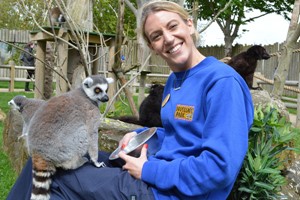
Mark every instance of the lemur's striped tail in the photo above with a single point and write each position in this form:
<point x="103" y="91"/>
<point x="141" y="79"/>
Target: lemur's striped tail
<point x="42" y="172"/>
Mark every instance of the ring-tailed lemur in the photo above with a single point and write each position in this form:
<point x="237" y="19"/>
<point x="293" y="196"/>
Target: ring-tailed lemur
<point x="27" y="108"/>
<point x="64" y="130"/>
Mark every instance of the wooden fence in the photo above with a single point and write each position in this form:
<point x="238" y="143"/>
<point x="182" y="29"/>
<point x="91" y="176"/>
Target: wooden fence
<point x="12" y="73"/>
<point x="14" y="36"/>
<point x="158" y="69"/>
<point x="157" y="66"/>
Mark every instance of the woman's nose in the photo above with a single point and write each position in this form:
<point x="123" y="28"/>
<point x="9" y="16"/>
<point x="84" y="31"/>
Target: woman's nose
<point x="168" y="38"/>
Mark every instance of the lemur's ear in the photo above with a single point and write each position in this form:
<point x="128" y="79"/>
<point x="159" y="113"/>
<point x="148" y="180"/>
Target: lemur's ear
<point x="110" y="80"/>
<point x="88" y="82"/>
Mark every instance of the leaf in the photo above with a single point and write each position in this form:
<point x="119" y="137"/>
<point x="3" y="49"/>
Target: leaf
<point x="269" y="171"/>
<point x="255" y="129"/>
<point x="251" y="161"/>
<point x="278" y="150"/>
<point x="248" y="172"/>
<point x="244" y="189"/>
<point x="264" y="185"/>
<point x="257" y="163"/>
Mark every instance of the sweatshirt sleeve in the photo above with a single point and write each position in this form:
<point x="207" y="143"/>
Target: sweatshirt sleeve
<point x="229" y="115"/>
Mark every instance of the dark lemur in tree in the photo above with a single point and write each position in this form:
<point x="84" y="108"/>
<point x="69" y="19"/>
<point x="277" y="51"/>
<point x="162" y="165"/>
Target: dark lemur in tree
<point x="56" y="16"/>
<point x="245" y="63"/>
<point x="64" y="130"/>
<point x="149" y="111"/>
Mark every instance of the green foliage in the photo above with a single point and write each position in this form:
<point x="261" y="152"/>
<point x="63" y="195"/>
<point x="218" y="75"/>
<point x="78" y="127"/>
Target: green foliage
<point x="237" y="10"/>
<point x="7" y="175"/>
<point x="105" y="17"/>
<point x="260" y="176"/>
<point x="122" y="107"/>
<point x="15" y="16"/>
<point x="234" y="16"/>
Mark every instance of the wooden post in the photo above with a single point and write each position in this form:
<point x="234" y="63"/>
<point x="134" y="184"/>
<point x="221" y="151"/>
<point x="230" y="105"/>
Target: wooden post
<point x="145" y="52"/>
<point x="297" y="124"/>
<point x="111" y="61"/>
<point x="40" y="70"/>
<point x="95" y="64"/>
<point x="12" y="76"/>
<point x="61" y="84"/>
<point x="142" y="85"/>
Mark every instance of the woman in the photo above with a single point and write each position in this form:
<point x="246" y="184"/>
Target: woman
<point x="206" y="113"/>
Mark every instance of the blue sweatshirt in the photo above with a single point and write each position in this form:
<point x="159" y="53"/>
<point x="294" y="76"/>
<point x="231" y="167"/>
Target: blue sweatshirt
<point x="207" y="112"/>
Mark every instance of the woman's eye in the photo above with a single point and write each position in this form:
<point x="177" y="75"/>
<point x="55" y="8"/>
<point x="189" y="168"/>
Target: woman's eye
<point x="173" y="26"/>
<point x="155" y="37"/>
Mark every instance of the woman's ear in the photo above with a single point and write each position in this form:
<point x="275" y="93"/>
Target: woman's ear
<point x="190" y="24"/>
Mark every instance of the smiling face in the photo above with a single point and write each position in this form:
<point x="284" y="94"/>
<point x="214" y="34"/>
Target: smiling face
<point x="170" y="37"/>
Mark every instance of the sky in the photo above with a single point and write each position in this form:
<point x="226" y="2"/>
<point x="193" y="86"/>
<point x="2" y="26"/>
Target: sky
<point x="265" y="30"/>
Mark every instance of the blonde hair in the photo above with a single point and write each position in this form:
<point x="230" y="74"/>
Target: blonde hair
<point x="158" y="5"/>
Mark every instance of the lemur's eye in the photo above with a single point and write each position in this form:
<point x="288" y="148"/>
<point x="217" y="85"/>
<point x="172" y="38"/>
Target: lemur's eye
<point x="97" y="90"/>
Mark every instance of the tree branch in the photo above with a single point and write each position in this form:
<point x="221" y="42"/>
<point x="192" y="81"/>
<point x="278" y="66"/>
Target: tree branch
<point x="216" y="16"/>
<point x="131" y="7"/>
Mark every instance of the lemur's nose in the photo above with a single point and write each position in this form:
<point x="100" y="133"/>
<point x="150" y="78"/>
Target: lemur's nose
<point x="104" y="98"/>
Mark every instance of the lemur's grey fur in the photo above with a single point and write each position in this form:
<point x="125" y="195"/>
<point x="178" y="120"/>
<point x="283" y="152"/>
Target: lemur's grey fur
<point x="27" y="107"/>
<point x="63" y="130"/>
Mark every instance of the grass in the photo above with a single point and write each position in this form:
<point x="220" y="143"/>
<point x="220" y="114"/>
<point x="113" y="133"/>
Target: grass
<point x="18" y="85"/>
<point x="7" y="174"/>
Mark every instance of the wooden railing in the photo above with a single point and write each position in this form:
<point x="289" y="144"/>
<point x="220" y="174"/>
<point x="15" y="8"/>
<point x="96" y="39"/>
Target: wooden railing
<point x="12" y="74"/>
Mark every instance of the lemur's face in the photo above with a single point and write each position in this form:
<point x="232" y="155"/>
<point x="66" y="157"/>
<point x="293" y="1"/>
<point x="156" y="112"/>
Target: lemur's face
<point x="16" y="103"/>
<point x="98" y="93"/>
<point x="96" y="89"/>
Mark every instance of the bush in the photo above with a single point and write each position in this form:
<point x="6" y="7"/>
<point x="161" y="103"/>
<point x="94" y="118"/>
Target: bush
<point x="260" y="176"/>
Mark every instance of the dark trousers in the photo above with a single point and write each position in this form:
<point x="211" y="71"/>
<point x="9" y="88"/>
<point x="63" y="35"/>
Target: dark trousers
<point x="86" y="182"/>
<point x="30" y="74"/>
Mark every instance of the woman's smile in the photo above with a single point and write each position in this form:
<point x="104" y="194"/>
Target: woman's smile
<point x="170" y="37"/>
<point x="175" y="49"/>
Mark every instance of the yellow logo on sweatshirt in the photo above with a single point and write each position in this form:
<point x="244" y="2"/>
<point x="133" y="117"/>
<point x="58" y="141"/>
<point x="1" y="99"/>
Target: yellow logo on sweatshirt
<point x="184" y="112"/>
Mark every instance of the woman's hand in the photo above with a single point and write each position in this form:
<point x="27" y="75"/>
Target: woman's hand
<point x="135" y="165"/>
<point x="124" y="141"/>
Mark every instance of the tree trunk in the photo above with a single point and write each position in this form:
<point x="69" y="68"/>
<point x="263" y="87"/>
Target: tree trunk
<point x="230" y="33"/>
<point x="228" y="46"/>
<point x="286" y="52"/>
<point x="286" y="56"/>
<point x="48" y="72"/>
<point x="117" y="69"/>
<point x="195" y="13"/>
